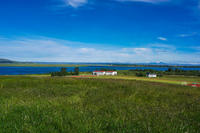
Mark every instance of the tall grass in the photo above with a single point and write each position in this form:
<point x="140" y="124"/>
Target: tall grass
<point x="53" y="104"/>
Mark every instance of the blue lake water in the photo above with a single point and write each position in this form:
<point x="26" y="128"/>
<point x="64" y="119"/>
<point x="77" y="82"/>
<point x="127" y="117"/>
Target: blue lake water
<point x="41" y="70"/>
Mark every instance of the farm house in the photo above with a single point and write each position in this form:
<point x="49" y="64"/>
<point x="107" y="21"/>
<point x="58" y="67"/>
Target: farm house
<point x="111" y="73"/>
<point x="151" y="75"/>
<point x="98" y="73"/>
<point x="104" y="73"/>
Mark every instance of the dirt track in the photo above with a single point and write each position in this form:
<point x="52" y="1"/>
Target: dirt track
<point x="157" y="79"/>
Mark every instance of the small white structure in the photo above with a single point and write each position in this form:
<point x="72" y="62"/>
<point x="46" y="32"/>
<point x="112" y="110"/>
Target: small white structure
<point x="111" y="73"/>
<point x="98" y="73"/>
<point x="184" y="83"/>
<point x="151" y="75"/>
<point x="104" y="73"/>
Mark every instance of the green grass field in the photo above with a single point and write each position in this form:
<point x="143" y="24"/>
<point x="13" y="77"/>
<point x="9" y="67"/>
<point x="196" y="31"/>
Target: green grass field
<point x="172" y="79"/>
<point x="58" y="104"/>
<point x="164" y="79"/>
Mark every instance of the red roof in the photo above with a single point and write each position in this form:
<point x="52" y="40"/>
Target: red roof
<point x="194" y="85"/>
<point x="104" y="71"/>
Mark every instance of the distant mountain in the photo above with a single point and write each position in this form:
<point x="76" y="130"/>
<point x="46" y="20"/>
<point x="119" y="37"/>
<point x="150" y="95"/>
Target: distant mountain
<point x="157" y="63"/>
<point x="13" y="62"/>
<point x="6" y="61"/>
<point x="104" y="63"/>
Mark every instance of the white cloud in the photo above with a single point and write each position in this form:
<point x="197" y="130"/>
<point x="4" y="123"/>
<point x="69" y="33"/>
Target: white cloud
<point x="161" y="45"/>
<point x="160" y="48"/>
<point x="54" y="50"/>
<point x="74" y="3"/>
<point x="186" y="35"/>
<point x="162" y="38"/>
<point x="149" y="1"/>
<point x="86" y="50"/>
<point x="183" y="35"/>
<point x="196" y="48"/>
<point x="137" y="50"/>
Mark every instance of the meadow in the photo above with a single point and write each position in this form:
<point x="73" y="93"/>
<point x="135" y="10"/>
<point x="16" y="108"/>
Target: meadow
<point x="64" y="104"/>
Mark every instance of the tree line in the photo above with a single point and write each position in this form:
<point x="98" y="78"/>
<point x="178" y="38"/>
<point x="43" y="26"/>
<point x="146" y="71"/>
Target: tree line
<point x="106" y="69"/>
<point x="170" y="71"/>
<point x="63" y="72"/>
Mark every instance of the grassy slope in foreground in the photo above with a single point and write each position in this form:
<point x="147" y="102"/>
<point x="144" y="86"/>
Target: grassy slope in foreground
<point x="175" y="79"/>
<point x="33" y="104"/>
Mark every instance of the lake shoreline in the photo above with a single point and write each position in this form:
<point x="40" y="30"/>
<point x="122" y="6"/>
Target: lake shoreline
<point x="23" y="70"/>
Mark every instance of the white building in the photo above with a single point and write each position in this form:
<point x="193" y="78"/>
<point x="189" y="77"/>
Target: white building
<point x="98" y="73"/>
<point x="151" y="75"/>
<point x="111" y="73"/>
<point x="104" y="73"/>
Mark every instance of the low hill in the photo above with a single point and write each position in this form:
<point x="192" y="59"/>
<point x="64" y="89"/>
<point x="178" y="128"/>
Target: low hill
<point x="6" y="61"/>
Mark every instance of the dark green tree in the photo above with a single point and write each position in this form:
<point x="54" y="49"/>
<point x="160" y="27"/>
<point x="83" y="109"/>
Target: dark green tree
<point x="76" y="71"/>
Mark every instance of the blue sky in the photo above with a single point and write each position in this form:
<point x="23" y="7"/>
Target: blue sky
<point x="132" y="31"/>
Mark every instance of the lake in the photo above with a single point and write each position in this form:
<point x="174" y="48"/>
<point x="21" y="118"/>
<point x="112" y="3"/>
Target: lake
<point x="40" y="70"/>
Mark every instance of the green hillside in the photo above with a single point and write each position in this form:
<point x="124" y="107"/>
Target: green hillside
<point x="6" y="61"/>
<point x="78" y="105"/>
